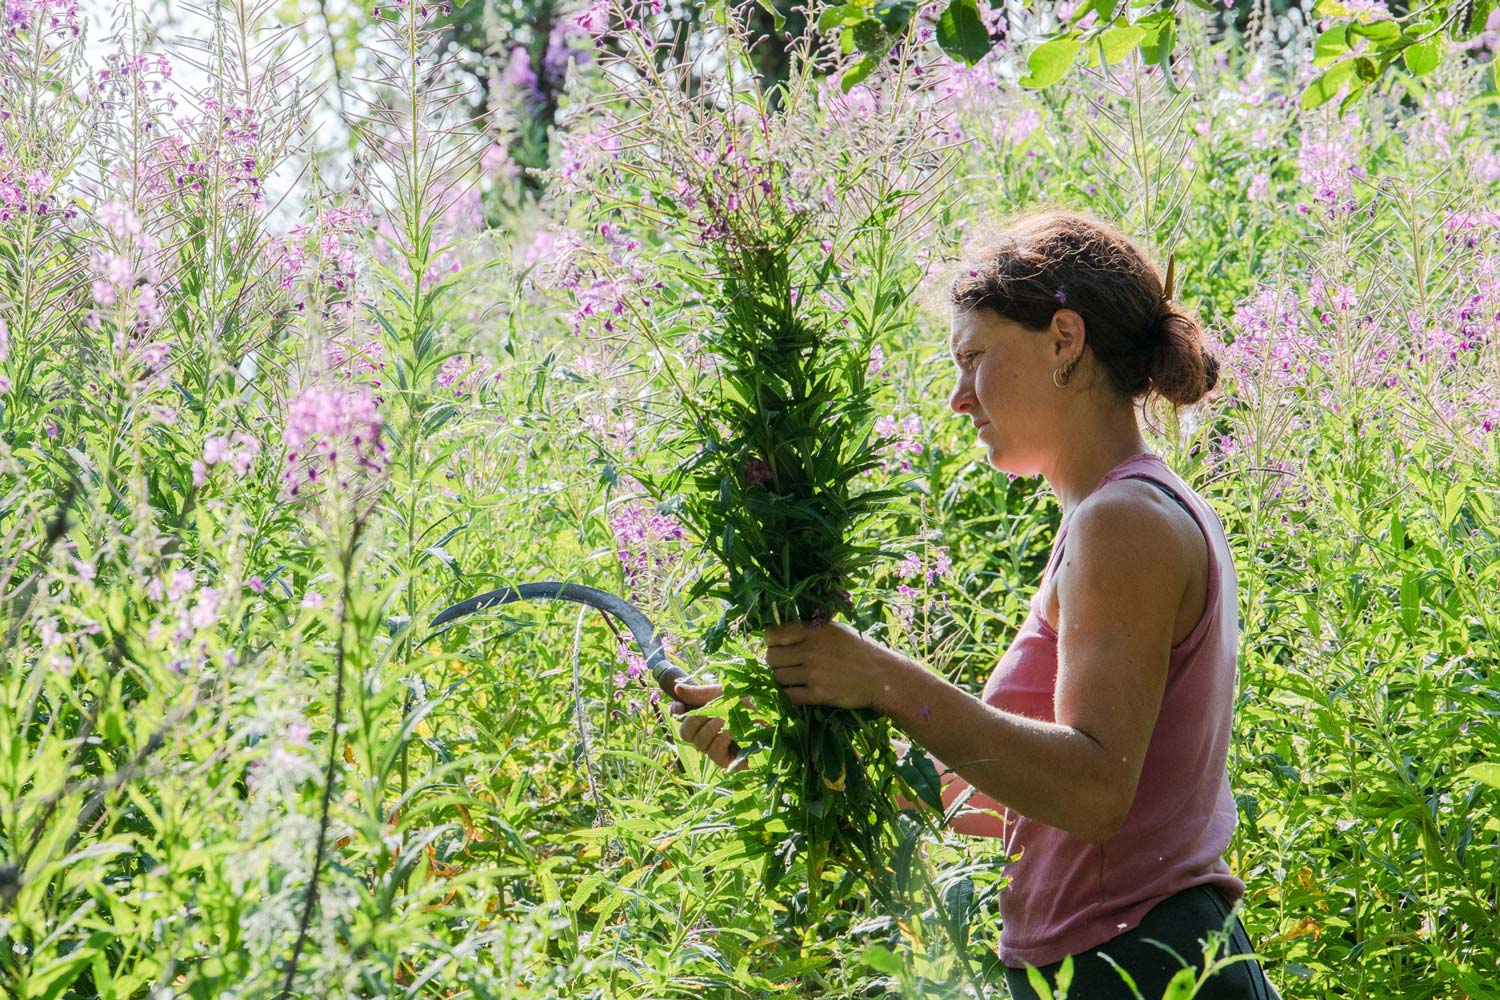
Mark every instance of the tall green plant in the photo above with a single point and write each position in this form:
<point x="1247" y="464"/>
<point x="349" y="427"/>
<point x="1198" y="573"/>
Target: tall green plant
<point x="773" y="425"/>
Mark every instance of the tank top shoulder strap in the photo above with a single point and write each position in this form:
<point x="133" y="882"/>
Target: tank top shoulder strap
<point x="1144" y="466"/>
<point x="1163" y="487"/>
<point x="1121" y="471"/>
<point x="1140" y="467"/>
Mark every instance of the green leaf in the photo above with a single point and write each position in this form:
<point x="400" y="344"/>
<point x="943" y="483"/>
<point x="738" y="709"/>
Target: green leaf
<point x="1181" y="986"/>
<point x="1411" y="603"/>
<point x="841" y="16"/>
<point x="1119" y="40"/>
<point x="1382" y="33"/>
<point x="895" y="14"/>
<point x="1039" y="982"/>
<point x="1326" y="87"/>
<point x="1485" y="774"/>
<point x="1423" y="57"/>
<point x="957" y="901"/>
<point x="1103" y="8"/>
<point x="961" y="32"/>
<point x="1452" y="501"/>
<point x="871" y="37"/>
<point x="1355" y="93"/>
<point x="777" y="17"/>
<point x="917" y="770"/>
<point x="882" y="959"/>
<point x="1330" y="45"/>
<point x="1065" y="975"/>
<point x="1165" y="40"/>
<point x="858" y="72"/>
<point x="1049" y="62"/>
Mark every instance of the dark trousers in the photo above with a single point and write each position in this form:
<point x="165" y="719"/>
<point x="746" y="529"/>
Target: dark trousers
<point x="1180" y="921"/>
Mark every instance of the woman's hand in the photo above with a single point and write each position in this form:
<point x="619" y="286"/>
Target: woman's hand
<point x="707" y="733"/>
<point x="829" y="663"/>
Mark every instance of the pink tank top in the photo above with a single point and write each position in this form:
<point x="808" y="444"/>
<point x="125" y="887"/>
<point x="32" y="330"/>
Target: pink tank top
<point x="1067" y="895"/>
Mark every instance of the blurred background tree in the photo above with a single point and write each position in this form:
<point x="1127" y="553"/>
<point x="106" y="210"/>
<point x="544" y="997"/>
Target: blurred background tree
<point x="519" y="53"/>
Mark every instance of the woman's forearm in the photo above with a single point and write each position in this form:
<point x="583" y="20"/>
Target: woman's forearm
<point x="1049" y="772"/>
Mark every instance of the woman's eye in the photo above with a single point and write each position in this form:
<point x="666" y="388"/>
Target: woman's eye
<point x="967" y="359"/>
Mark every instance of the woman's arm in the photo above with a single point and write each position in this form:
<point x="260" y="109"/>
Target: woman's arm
<point x="1119" y="591"/>
<point x="1079" y="773"/>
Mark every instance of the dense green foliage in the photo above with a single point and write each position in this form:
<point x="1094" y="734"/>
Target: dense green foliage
<point x="245" y="454"/>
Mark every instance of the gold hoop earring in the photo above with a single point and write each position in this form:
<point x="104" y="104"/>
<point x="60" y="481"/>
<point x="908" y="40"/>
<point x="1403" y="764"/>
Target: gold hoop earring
<point x="1067" y="375"/>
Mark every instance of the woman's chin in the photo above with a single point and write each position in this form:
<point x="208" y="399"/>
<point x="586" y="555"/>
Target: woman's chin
<point x="1000" y="463"/>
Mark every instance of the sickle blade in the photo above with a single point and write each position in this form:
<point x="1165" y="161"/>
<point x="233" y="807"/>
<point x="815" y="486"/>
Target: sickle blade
<point x="662" y="670"/>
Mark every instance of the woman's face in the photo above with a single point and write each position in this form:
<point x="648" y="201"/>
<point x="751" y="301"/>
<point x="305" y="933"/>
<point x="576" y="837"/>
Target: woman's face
<point x="1005" y="385"/>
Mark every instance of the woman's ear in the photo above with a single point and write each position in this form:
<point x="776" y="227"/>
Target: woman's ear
<point x="1067" y="335"/>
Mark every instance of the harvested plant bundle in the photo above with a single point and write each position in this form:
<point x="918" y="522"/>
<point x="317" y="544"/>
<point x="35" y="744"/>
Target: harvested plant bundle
<point x="790" y="290"/>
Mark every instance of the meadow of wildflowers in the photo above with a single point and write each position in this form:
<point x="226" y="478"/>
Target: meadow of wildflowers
<point x="285" y="369"/>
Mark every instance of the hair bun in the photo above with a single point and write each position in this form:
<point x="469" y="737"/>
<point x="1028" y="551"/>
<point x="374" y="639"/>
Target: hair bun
<point x="1183" y="371"/>
<point x="1210" y="372"/>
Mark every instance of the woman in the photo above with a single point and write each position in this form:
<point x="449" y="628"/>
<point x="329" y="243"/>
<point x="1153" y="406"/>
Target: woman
<point x="1097" y="747"/>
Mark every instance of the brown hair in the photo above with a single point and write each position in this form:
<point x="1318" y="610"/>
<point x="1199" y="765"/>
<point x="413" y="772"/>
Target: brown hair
<point x="1028" y="266"/>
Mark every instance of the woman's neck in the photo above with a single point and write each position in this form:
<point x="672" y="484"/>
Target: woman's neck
<point x="1080" y="464"/>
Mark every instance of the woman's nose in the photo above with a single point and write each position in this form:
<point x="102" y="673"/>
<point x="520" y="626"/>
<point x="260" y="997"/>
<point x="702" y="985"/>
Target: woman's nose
<point x="962" y="399"/>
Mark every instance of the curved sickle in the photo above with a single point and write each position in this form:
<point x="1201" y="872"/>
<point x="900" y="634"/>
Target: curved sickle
<point x="665" y="673"/>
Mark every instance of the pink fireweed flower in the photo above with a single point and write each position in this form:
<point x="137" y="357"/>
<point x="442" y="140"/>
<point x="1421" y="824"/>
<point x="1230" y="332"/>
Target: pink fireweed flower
<point x="238" y="450"/>
<point x="584" y="155"/>
<point x="905" y="436"/>
<point x="115" y="274"/>
<point x="911" y="565"/>
<point x="595" y="20"/>
<point x="909" y="600"/>
<point x="560" y="52"/>
<point x="1328" y="159"/>
<point x="1260" y="186"/>
<point x="758" y="473"/>
<point x="643" y="537"/>
<point x="349" y="361"/>
<point x="636" y="672"/>
<point x="183" y="581"/>
<point x="518" y="85"/>
<point x="120" y="219"/>
<point x="466" y="375"/>
<point x="334" y="433"/>
<point x="496" y="161"/>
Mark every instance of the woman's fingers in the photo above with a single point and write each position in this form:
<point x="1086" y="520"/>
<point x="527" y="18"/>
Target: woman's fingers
<point x="791" y="676"/>
<point x="690" y="726"/>
<point x="720" y="750"/>
<point x="704" y="737"/>
<point x="696" y="695"/>
<point x="707" y="734"/>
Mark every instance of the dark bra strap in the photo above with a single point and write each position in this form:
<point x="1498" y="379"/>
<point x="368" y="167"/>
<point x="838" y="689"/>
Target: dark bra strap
<point x="1168" y="491"/>
<point x="1057" y="551"/>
